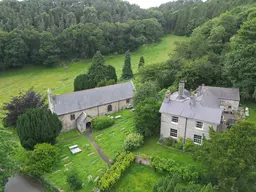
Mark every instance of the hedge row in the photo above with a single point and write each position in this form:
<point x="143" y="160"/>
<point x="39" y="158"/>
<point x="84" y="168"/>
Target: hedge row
<point x="102" y="122"/>
<point x="187" y="173"/>
<point x="113" y="174"/>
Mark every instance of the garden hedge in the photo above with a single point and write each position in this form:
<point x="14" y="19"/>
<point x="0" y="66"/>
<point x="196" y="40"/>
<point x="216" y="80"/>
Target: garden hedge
<point x="102" y="122"/>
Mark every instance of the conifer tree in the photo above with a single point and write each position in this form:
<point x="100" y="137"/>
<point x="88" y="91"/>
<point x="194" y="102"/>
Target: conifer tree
<point x="142" y="62"/>
<point x="38" y="126"/>
<point x="111" y="73"/>
<point x="127" y="70"/>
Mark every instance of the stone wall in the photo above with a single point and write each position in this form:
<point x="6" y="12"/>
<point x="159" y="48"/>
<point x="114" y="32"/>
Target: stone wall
<point x="102" y="110"/>
<point x="167" y="125"/>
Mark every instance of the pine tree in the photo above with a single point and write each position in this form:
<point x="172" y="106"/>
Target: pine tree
<point x="142" y="62"/>
<point x="111" y="73"/>
<point x="38" y="126"/>
<point x="127" y="70"/>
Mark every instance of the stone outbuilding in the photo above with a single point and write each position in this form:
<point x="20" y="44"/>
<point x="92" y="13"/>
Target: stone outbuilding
<point x="77" y="109"/>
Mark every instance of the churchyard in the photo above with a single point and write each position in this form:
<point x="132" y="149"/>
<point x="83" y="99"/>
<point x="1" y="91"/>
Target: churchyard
<point x="90" y="166"/>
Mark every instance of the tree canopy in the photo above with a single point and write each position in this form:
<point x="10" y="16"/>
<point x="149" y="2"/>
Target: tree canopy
<point x="231" y="157"/>
<point x="20" y="104"/>
<point x="38" y="126"/>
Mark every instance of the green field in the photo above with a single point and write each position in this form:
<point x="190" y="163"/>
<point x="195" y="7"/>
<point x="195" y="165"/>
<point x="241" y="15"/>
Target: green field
<point x="61" y="81"/>
<point x="138" y="178"/>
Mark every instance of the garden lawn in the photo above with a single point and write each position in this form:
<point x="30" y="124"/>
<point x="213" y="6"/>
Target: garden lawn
<point x="86" y="163"/>
<point x="151" y="148"/>
<point x="252" y="112"/>
<point x="111" y="140"/>
<point x="138" y="178"/>
<point x="61" y="81"/>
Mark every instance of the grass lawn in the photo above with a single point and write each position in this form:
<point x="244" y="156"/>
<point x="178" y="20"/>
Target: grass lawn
<point x="87" y="162"/>
<point x="252" y="112"/>
<point x="138" y="178"/>
<point x="111" y="139"/>
<point x="151" y="148"/>
<point x="61" y="81"/>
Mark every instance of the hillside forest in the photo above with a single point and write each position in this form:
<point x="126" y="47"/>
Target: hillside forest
<point x="41" y="32"/>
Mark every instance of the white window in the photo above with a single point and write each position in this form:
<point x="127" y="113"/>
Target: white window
<point x="173" y="133"/>
<point x="199" y="125"/>
<point x="198" y="139"/>
<point x="175" y="119"/>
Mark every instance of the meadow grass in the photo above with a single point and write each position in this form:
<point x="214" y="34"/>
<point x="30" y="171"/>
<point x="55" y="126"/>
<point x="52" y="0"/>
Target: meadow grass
<point x="138" y="178"/>
<point x="61" y="81"/>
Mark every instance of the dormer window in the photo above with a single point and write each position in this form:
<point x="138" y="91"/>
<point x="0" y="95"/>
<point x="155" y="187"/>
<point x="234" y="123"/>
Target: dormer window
<point x="175" y="119"/>
<point x="199" y="125"/>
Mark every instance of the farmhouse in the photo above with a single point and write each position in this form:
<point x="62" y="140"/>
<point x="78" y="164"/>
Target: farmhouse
<point x="77" y="109"/>
<point x="189" y="115"/>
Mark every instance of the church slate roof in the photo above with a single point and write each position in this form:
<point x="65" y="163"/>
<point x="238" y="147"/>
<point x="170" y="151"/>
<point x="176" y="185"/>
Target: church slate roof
<point x="81" y="100"/>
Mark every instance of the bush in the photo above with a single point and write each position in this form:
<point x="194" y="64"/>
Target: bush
<point x="113" y="174"/>
<point x="75" y="183"/>
<point x="102" y="122"/>
<point x="189" y="146"/>
<point x="133" y="141"/>
<point x="168" y="141"/>
<point x="41" y="160"/>
<point x="187" y="173"/>
<point x="179" y="144"/>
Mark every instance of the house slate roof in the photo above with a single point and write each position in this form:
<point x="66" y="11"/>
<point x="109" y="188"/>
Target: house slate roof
<point x="81" y="100"/>
<point x="223" y="93"/>
<point x="192" y="111"/>
<point x="205" y="106"/>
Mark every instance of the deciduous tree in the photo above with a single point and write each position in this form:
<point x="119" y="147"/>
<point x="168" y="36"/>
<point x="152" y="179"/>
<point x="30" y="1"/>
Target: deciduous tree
<point x="20" y="104"/>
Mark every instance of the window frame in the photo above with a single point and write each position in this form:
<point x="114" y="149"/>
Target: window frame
<point x="72" y="117"/>
<point x="128" y="101"/>
<point x="201" y="141"/>
<point x="110" y="108"/>
<point x="200" y="128"/>
<point x="173" y="117"/>
<point x="176" y="133"/>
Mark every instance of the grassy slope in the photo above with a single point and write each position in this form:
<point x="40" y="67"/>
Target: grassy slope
<point x="61" y="81"/>
<point x="138" y="178"/>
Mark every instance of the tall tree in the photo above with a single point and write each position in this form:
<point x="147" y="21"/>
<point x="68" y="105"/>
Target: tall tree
<point x="142" y="62"/>
<point x="231" y="157"/>
<point x="38" y="126"/>
<point x="241" y="61"/>
<point x="20" y="104"/>
<point x="127" y="68"/>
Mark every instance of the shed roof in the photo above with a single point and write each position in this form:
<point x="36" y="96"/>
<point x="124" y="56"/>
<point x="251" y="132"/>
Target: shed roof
<point x="81" y="100"/>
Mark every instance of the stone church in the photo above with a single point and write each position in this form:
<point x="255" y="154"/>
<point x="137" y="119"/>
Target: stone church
<point x="77" y="109"/>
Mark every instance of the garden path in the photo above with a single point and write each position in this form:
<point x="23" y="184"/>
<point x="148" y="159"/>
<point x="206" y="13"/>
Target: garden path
<point x="96" y="146"/>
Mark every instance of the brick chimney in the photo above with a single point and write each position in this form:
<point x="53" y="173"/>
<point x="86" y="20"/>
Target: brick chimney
<point x="181" y="88"/>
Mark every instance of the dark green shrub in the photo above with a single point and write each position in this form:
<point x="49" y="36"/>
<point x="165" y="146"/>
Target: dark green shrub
<point x="133" y="141"/>
<point x="38" y="126"/>
<point x="102" y="122"/>
<point x="75" y="183"/>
